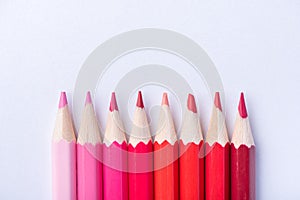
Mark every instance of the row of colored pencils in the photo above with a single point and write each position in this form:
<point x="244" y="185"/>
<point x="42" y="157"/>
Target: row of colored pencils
<point x="166" y="168"/>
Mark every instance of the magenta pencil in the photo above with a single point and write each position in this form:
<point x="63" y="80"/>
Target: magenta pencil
<point x="89" y="166"/>
<point x="115" y="179"/>
<point x="63" y="154"/>
<point x="140" y="156"/>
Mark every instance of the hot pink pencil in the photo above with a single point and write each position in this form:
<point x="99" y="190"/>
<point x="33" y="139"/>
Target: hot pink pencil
<point x="89" y="166"/>
<point x="63" y="154"/>
<point x="115" y="179"/>
<point x="140" y="156"/>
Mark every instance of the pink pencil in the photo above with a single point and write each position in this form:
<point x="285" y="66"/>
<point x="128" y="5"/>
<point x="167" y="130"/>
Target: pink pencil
<point x="140" y="156"/>
<point x="89" y="166"/>
<point x="63" y="154"/>
<point x="115" y="179"/>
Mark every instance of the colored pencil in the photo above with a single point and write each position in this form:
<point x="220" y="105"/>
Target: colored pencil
<point x="140" y="156"/>
<point x="242" y="157"/>
<point x="115" y="179"/>
<point x="63" y="154"/>
<point x="191" y="161"/>
<point x="89" y="166"/>
<point x="217" y="182"/>
<point x="165" y="156"/>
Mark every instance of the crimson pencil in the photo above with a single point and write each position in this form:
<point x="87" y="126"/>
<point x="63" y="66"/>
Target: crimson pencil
<point x="242" y="157"/>
<point x="63" y="154"/>
<point x="191" y="162"/>
<point x="140" y="156"/>
<point x="89" y="166"/>
<point x="165" y="156"/>
<point x="217" y="182"/>
<point x="115" y="179"/>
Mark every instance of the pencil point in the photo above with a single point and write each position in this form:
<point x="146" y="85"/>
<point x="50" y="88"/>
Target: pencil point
<point x="113" y="103"/>
<point x="242" y="107"/>
<point x="191" y="103"/>
<point x="140" y="102"/>
<point x="63" y="100"/>
<point x="218" y="101"/>
<point x="165" y="100"/>
<point x="88" y="99"/>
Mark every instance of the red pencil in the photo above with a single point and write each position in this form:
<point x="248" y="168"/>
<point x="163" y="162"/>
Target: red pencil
<point x="191" y="161"/>
<point x="217" y="182"/>
<point x="115" y="179"/>
<point x="140" y="156"/>
<point x="165" y="156"/>
<point x="242" y="157"/>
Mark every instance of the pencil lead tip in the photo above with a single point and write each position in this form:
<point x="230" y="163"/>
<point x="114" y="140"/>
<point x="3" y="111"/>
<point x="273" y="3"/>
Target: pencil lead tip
<point x="88" y="98"/>
<point x="140" y="102"/>
<point x="63" y="100"/>
<point x="191" y="104"/>
<point x="242" y="107"/>
<point x="217" y="101"/>
<point x="113" y="102"/>
<point x="165" y="100"/>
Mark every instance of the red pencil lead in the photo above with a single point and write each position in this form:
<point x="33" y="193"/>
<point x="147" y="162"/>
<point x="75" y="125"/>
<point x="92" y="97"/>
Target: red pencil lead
<point x="88" y="99"/>
<point x="140" y="102"/>
<point x="63" y="100"/>
<point x="191" y="103"/>
<point x="218" y="101"/>
<point x="242" y="107"/>
<point x="165" y="100"/>
<point x="113" y="103"/>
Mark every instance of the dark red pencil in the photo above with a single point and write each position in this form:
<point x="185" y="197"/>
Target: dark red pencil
<point x="242" y="157"/>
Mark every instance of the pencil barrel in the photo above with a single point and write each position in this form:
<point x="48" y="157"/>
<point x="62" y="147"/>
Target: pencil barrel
<point x="242" y="173"/>
<point x="63" y="170"/>
<point x="191" y="171"/>
<point x="115" y="177"/>
<point x="166" y="171"/>
<point x="217" y="173"/>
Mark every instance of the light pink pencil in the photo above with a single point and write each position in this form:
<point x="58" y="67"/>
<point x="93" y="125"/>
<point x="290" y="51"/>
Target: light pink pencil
<point x="63" y="154"/>
<point x="89" y="166"/>
<point x="115" y="179"/>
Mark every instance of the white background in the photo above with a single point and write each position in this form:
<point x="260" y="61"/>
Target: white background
<point x="254" y="44"/>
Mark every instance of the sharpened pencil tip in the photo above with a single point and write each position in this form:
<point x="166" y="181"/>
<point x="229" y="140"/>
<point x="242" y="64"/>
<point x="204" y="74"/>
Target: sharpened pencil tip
<point x="113" y="102"/>
<point x="218" y="101"/>
<point x="88" y="99"/>
<point x="63" y="100"/>
<point x="139" y="102"/>
<point x="165" y="100"/>
<point x="242" y="107"/>
<point x="191" y="104"/>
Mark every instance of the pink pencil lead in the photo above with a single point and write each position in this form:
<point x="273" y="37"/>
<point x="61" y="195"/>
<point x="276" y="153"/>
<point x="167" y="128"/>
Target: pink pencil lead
<point x="140" y="102"/>
<point x="242" y="107"/>
<point x="113" y="103"/>
<point x="218" y="101"/>
<point x="88" y="99"/>
<point x="165" y="100"/>
<point x="63" y="100"/>
<point x="191" y="104"/>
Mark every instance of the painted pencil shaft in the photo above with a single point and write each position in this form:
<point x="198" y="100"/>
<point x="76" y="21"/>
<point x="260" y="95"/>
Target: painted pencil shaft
<point x="191" y="166"/>
<point x="115" y="177"/>
<point x="89" y="172"/>
<point x="63" y="155"/>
